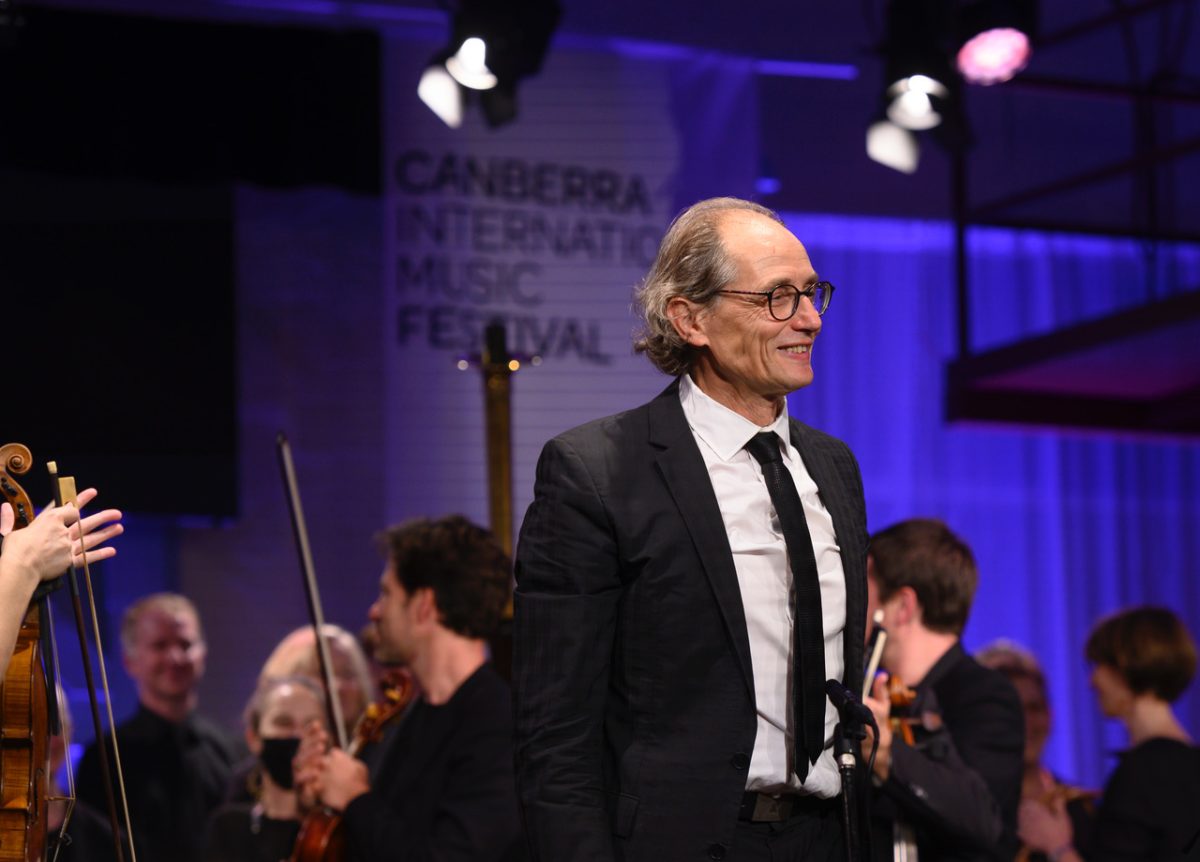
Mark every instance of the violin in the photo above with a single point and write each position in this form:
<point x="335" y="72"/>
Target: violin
<point x="27" y="710"/>
<point x="321" y="837"/>
<point x="900" y="696"/>
<point x="30" y="714"/>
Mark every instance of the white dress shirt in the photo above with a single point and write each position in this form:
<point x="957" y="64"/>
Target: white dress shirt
<point x="765" y="579"/>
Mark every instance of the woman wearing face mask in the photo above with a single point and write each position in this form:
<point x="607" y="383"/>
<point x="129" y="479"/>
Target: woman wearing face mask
<point x="265" y="830"/>
<point x="296" y="655"/>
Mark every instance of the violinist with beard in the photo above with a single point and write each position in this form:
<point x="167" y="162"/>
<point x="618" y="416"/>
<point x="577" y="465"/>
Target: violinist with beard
<point x="442" y="784"/>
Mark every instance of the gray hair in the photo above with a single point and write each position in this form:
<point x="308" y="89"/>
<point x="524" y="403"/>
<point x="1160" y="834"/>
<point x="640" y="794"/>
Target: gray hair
<point x="296" y="655"/>
<point x="693" y="263"/>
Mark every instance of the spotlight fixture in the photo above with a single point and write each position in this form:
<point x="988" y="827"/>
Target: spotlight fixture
<point x="988" y="39"/>
<point x="440" y="93"/>
<point x="995" y="39"/>
<point x="494" y="44"/>
<point x="916" y="67"/>
<point x="468" y="65"/>
<point x="916" y="102"/>
<point x="919" y="84"/>
<point x="893" y="146"/>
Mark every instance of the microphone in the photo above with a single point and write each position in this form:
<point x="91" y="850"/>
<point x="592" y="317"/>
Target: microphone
<point x="848" y="706"/>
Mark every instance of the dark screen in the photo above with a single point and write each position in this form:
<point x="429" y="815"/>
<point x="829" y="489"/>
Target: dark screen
<point x="121" y="346"/>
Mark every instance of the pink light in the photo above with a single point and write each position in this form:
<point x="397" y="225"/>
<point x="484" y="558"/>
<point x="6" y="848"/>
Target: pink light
<point x="994" y="56"/>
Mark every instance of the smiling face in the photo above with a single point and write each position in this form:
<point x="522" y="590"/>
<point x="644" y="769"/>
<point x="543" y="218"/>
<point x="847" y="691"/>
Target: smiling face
<point x="167" y="656"/>
<point x="748" y="360"/>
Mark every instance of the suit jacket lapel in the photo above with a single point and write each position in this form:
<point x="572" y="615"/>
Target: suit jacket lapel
<point x="682" y="468"/>
<point x="836" y="499"/>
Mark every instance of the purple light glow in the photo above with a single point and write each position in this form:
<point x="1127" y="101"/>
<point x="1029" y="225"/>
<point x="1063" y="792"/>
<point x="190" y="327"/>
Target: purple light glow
<point x="799" y="69"/>
<point x="645" y="49"/>
<point x="342" y="9"/>
<point x="767" y="185"/>
<point x="994" y="56"/>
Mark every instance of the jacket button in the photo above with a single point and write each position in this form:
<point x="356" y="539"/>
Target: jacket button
<point x="740" y="761"/>
<point x="716" y="851"/>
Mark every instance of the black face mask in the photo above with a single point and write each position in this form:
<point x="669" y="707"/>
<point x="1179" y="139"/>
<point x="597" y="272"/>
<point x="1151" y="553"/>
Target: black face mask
<point x="276" y="757"/>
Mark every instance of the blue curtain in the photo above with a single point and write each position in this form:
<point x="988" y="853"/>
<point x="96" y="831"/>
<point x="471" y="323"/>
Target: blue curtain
<point x="1067" y="526"/>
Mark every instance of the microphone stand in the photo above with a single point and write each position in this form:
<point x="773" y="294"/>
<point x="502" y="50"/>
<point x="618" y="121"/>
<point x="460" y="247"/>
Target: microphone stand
<point x="847" y="743"/>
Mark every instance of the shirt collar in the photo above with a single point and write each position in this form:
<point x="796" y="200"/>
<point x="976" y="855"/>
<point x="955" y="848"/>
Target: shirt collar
<point x="724" y="431"/>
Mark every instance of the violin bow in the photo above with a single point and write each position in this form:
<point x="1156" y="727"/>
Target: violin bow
<point x="875" y="646"/>
<point x="64" y="492"/>
<point x="332" y="702"/>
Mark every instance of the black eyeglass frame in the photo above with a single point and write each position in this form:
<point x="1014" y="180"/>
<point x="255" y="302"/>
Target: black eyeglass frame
<point x="810" y="292"/>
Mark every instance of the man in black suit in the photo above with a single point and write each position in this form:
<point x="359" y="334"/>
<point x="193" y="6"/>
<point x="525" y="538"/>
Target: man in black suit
<point x="656" y="663"/>
<point x="442" y="787"/>
<point x="953" y="789"/>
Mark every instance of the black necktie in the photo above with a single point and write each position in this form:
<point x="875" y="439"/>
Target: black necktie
<point x="808" y="634"/>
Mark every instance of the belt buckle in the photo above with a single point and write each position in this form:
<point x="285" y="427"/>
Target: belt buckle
<point x="771" y="809"/>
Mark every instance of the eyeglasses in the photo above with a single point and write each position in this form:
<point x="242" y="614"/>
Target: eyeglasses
<point x="784" y="299"/>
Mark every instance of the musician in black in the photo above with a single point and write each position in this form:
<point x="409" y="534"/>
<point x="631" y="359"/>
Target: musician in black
<point x="176" y="763"/>
<point x="953" y="790"/>
<point x="442" y="785"/>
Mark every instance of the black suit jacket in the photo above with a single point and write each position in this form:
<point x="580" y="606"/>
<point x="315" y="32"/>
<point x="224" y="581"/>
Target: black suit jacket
<point x="635" y="713"/>
<point x="960" y="786"/>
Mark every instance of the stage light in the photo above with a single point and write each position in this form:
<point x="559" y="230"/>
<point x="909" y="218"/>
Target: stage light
<point x="893" y="146"/>
<point x="469" y="66"/>
<point x="915" y="102"/>
<point x="989" y="39"/>
<point x="494" y="44"/>
<point x="440" y="93"/>
<point x="996" y="39"/>
<point x="917" y="68"/>
<point x="994" y="56"/>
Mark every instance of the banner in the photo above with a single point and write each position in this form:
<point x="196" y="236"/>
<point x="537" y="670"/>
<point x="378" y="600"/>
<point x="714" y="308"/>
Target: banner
<point x="545" y="225"/>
